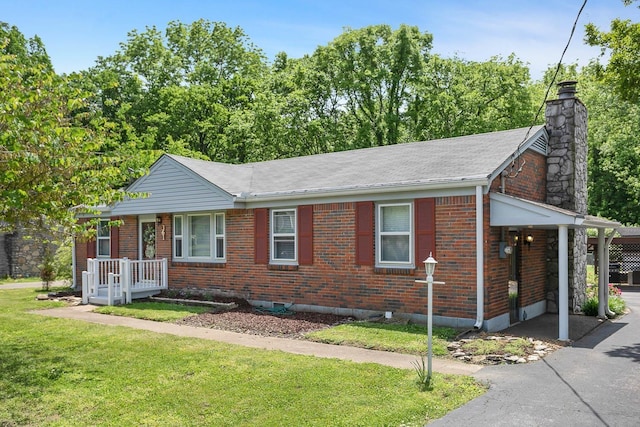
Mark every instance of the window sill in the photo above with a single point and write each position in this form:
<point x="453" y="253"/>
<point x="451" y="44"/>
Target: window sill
<point x="283" y="267"/>
<point x="208" y="264"/>
<point x="401" y="271"/>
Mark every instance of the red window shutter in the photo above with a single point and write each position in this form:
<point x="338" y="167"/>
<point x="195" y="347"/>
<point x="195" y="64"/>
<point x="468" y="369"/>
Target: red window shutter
<point x="261" y="236"/>
<point x="115" y="240"/>
<point x="364" y="233"/>
<point x="305" y="235"/>
<point x="425" y="213"/>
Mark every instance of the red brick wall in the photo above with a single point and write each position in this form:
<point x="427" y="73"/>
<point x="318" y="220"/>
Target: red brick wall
<point x="529" y="183"/>
<point x="533" y="273"/>
<point x="496" y="274"/>
<point x="129" y="237"/>
<point x="456" y="256"/>
<point x="334" y="279"/>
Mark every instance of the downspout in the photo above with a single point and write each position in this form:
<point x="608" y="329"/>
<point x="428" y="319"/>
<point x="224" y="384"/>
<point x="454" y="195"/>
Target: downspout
<point x="73" y="262"/>
<point x="479" y="258"/>
<point x="602" y="272"/>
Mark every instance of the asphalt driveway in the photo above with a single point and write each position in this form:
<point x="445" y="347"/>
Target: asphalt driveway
<point x="594" y="382"/>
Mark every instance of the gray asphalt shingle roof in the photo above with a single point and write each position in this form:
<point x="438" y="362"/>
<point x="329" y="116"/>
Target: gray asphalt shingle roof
<point x="443" y="160"/>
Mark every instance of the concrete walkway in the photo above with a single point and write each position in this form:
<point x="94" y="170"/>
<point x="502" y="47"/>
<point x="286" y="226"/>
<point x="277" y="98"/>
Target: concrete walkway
<point x="594" y="382"/>
<point x="396" y="360"/>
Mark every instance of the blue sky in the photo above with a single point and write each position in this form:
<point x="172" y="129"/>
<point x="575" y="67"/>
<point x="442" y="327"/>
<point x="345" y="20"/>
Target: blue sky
<point x="75" y="33"/>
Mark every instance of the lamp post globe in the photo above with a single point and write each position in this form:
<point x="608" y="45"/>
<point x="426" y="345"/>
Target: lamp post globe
<point x="430" y="265"/>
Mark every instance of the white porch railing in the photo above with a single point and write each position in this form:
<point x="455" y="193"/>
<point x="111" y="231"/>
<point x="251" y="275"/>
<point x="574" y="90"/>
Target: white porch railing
<point x="119" y="279"/>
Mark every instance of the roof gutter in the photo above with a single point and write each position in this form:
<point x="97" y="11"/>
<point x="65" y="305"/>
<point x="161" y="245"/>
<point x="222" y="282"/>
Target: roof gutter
<point x="359" y="190"/>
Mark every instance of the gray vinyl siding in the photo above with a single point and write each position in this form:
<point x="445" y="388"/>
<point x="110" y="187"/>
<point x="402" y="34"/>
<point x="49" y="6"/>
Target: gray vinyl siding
<point x="173" y="188"/>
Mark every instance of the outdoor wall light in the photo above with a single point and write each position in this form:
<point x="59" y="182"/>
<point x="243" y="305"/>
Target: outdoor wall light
<point x="528" y="240"/>
<point x="158" y="220"/>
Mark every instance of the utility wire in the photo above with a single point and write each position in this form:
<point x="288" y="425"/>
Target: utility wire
<point x="546" y="96"/>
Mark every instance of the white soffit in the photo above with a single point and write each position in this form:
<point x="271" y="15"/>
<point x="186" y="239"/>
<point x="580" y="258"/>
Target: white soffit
<point x="515" y="212"/>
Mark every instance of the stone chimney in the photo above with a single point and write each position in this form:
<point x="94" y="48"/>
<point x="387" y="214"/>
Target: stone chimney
<point x="566" y="119"/>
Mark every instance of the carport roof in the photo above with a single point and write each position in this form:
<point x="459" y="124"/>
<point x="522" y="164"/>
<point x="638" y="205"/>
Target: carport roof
<point x="510" y="211"/>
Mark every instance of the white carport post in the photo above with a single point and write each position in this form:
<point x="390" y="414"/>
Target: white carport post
<point x="563" y="283"/>
<point x="602" y="275"/>
<point x="605" y="285"/>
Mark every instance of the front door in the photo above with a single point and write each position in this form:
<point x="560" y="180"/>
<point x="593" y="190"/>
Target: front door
<point x="148" y="239"/>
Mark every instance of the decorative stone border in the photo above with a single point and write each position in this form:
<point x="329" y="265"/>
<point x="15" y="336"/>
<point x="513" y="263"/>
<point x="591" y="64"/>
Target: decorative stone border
<point x="218" y="305"/>
<point x="539" y="349"/>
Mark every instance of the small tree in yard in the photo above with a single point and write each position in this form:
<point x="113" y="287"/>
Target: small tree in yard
<point x="47" y="268"/>
<point x="51" y="164"/>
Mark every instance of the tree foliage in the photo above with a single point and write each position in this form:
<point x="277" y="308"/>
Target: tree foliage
<point x="51" y="167"/>
<point x="622" y="41"/>
<point x="458" y="97"/>
<point x="374" y="70"/>
<point x="614" y="152"/>
<point x="180" y="88"/>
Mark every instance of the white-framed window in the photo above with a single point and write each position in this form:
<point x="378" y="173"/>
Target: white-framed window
<point x="283" y="236"/>
<point x="103" y="239"/>
<point x="219" y="233"/>
<point x="394" y="234"/>
<point x="199" y="237"/>
<point x="177" y="236"/>
<point x="199" y="228"/>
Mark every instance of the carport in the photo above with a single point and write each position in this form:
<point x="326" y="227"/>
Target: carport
<point x="509" y="211"/>
<point x="624" y="256"/>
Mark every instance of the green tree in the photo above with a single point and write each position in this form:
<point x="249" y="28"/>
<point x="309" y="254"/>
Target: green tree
<point x="51" y="167"/>
<point x="614" y="154"/>
<point x="458" y="97"/>
<point x="623" y="43"/>
<point x="183" y="87"/>
<point x="299" y="112"/>
<point x="372" y="70"/>
<point x="27" y="51"/>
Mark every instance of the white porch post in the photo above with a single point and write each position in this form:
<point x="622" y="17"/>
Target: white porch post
<point x="602" y="274"/>
<point x="85" y="287"/>
<point x="606" y="277"/>
<point x="165" y="274"/>
<point x="563" y="283"/>
<point x="125" y="279"/>
<point x="96" y="275"/>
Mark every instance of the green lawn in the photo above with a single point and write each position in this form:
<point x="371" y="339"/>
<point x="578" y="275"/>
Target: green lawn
<point x="61" y="372"/>
<point x="411" y="339"/>
<point x="158" y="311"/>
<point x="398" y="337"/>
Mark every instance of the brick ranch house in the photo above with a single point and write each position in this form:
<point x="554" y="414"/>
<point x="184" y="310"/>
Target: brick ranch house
<point x="503" y="213"/>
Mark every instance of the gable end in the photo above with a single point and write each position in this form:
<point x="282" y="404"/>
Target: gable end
<point x="172" y="187"/>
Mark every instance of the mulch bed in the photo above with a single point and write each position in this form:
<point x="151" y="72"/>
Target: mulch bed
<point x="245" y="319"/>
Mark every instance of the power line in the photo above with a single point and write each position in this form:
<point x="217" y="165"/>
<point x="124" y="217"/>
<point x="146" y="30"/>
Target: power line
<point x="546" y="96"/>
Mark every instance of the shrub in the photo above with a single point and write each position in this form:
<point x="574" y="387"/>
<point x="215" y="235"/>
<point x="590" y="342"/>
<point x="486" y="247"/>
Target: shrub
<point x="617" y="305"/>
<point x="590" y="306"/>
